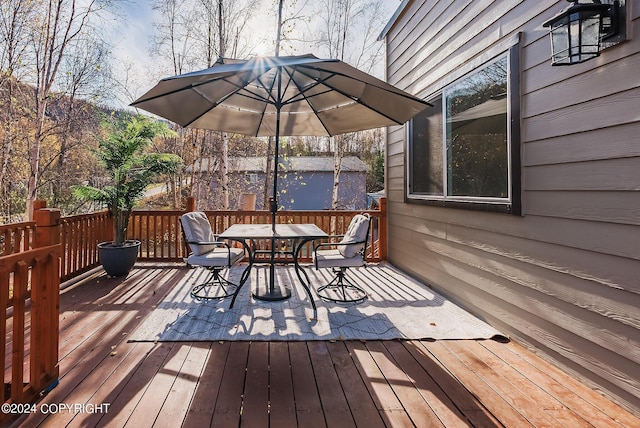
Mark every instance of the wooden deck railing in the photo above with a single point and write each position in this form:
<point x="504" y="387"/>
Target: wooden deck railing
<point x="35" y="256"/>
<point x="161" y="237"/>
<point x="30" y="286"/>
<point x="80" y="235"/>
<point x="16" y="237"/>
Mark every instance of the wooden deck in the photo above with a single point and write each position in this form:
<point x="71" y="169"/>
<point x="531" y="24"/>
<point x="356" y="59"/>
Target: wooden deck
<point x="106" y="381"/>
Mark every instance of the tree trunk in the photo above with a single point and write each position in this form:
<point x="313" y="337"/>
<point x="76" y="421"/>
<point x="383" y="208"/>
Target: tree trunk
<point x="34" y="158"/>
<point x="337" y="167"/>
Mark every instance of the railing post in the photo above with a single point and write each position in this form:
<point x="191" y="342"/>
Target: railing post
<point x="191" y="204"/>
<point x="45" y="298"/>
<point x="382" y="229"/>
<point x="47" y="224"/>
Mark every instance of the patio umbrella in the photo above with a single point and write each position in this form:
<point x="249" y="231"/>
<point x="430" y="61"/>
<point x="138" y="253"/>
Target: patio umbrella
<point x="487" y="117"/>
<point x="278" y="96"/>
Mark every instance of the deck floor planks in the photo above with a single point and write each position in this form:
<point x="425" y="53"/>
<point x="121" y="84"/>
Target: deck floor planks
<point x="520" y="401"/>
<point x="135" y="386"/>
<point x="176" y="405"/>
<point x="504" y="375"/>
<point x="90" y="319"/>
<point x="82" y="390"/>
<point x="413" y="402"/>
<point x="203" y="402"/>
<point x="424" y="384"/>
<point x="363" y="408"/>
<point x="255" y="401"/>
<point x="282" y="411"/>
<point x="309" y="411"/>
<point x="84" y="360"/>
<point x="460" y="397"/>
<point x="109" y="390"/>
<point x="229" y="403"/>
<point x="587" y="403"/>
<point x="390" y="408"/>
<point x="148" y="407"/>
<point x="550" y="404"/>
<point x="465" y="383"/>
<point x="334" y="403"/>
<point x="477" y="386"/>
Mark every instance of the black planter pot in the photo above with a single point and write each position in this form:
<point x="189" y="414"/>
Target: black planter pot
<point x="118" y="261"/>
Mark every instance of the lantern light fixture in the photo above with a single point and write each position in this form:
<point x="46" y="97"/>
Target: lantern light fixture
<point x="578" y="31"/>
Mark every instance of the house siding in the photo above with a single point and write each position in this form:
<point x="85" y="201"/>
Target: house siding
<point x="563" y="278"/>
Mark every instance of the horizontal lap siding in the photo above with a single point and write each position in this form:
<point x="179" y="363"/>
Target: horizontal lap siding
<point x="565" y="277"/>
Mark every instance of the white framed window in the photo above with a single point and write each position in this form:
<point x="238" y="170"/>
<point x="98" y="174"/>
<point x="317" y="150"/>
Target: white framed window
<point x="465" y="150"/>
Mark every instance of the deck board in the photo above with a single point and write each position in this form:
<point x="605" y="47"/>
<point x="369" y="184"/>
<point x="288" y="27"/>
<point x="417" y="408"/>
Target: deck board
<point x="523" y="403"/>
<point x="308" y="406"/>
<point x="335" y="404"/>
<point x="449" y="390"/>
<point x="305" y="384"/>
<point x="255" y="402"/>
<point x="472" y="380"/>
<point x="413" y="403"/>
<point x="420" y="379"/>
<point x="281" y="398"/>
<point x="390" y="408"/>
<point x="362" y="407"/>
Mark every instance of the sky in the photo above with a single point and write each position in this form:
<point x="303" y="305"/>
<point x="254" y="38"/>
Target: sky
<point x="131" y="44"/>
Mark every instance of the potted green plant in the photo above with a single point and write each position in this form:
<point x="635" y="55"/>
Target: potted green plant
<point x="131" y="169"/>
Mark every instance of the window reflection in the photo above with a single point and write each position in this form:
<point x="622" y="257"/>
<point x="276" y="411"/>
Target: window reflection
<point x="476" y="134"/>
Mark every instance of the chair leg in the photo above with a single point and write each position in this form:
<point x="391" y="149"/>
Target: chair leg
<point x="341" y="289"/>
<point x="215" y="279"/>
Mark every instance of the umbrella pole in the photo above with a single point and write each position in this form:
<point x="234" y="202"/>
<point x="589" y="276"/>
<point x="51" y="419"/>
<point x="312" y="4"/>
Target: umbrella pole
<point x="274" y="294"/>
<point x="274" y="209"/>
<point x="274" y="200"/>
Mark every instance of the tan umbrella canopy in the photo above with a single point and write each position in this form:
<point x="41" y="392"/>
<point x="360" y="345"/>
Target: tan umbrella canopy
<point x="481" y="119"/>
<point x="277" y="96"/>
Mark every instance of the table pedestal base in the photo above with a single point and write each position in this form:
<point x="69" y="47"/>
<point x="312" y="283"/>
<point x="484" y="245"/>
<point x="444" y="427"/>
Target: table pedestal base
<point x="272" y="292"/>
<point x="278" y="293"/>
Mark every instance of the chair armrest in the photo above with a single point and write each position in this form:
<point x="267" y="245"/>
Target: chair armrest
<point x="217" y="243"/>
<point x="333" y="244"/>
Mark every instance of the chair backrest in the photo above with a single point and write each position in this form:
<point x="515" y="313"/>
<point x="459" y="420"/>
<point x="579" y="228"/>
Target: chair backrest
<point x="355" y="238"/>
<point x="196" y="228"/>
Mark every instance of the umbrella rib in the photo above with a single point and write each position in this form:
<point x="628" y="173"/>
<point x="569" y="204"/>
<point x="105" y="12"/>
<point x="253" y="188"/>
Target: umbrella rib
<point x="335" y="73"/>
<point x="301" y="93"/>
<point x="239" y="88"/>
<point x="270" y="96"/>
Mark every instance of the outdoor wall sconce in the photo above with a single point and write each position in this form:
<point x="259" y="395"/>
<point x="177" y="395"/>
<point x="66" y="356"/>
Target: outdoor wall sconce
<point x="578" y="31"/>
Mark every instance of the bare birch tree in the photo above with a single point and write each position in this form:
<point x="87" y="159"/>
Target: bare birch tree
<point x="15" y="19"/>
<point x="194" y="34"/>
<point x="348" y="29"/>
<point x="288" y="15"/>
<point x="55" y="27"/>
<point x="85" y="75"/>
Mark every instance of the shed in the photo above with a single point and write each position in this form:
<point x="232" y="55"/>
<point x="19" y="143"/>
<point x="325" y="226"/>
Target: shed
<point x="304" y="183"/>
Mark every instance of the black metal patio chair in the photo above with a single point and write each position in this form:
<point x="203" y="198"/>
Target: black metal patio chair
<point x="207" y="251"/>
<point x="349" y="252"/>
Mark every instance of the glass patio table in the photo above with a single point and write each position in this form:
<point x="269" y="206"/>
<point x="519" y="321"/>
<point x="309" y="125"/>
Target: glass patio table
<point x="298" y="234"/>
